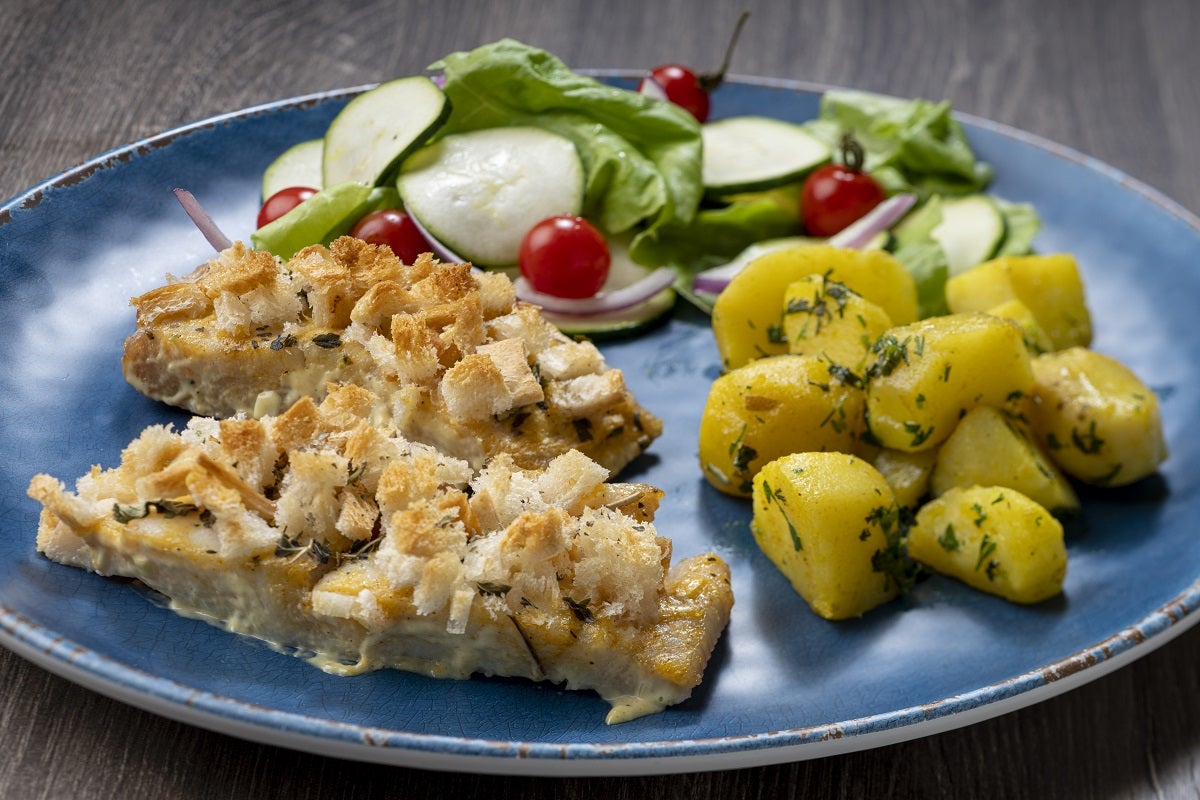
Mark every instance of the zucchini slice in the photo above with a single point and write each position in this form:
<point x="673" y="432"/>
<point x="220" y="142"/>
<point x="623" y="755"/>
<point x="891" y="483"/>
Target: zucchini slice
<point x="299" y="165"/>
<point x="971" y="230"/>
<point x="749" y="154"/>
<point x="480" y="192"/>
<point x="379" y="128"/>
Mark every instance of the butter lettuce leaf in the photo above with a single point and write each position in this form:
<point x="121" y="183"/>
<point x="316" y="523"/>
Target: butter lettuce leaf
<point x="714" y="236"/>
<point x="927" y="263"/>
<point x="911" y="145"/>
<point x="641" y="156"/>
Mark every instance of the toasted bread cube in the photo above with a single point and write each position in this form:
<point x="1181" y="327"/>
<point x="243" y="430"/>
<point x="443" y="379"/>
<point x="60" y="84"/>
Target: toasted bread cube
<point x="994" y="539"/>
<point x="747" y="319"/>
<point x="929" y="374"/>
<point x="990" y="449"/>
<point x="823" y="518"/>
<point x="771" y="408"/>
<point x="823" y="317"/>
<point x="1096" y="418"/>
<point x="1049" y="285"/>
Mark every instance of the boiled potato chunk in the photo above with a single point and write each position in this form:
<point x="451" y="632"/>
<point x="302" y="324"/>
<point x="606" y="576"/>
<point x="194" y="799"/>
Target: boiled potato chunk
<point x="989" y="449"/>
<point x="907" y="473"/>
<point x="931" y="373"/>
<point x="994" y="539"/>
<point x="1036" y="340"/>
<point x="1049" y="285"/>
<point x="824" y="317"/>
<point x="770" y="408"/>
<point x="822" y="518"/>
<point x="747" y="318"/>
<point x="1096" y="418"/>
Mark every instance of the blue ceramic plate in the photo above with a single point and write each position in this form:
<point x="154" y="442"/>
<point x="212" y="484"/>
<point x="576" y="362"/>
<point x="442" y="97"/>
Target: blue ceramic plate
<point x="783" y="684"/>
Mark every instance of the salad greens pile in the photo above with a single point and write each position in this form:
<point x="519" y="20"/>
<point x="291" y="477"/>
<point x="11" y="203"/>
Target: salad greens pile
<point x="642" y="162"/>
<point x="911" y="146"/>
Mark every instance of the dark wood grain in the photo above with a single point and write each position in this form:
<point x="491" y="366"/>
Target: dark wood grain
<point x="1115" y="80"/>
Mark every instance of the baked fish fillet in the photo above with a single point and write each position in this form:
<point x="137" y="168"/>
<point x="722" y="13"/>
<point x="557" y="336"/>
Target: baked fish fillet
<point x="324" y="528"/>
<point x="465" y="366"/>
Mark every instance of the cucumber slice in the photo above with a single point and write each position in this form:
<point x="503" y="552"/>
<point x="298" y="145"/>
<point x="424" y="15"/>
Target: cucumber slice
<point x="748" y="154"/>
<point x="971" y="231"/>
<point x="480" y="192"/>
<point x="379" y="128"/>
<point x="918" y="226"/>
<point x="299" y="165"/>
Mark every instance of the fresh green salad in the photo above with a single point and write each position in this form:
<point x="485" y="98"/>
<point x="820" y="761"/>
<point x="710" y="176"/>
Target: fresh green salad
<point x="604" y="202"/>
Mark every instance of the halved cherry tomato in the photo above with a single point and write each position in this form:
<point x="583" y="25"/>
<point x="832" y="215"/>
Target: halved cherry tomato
<point x="565" y="256"/>
<point x="836" y="195"/>
<point x="394" y="228"/>
<point x="282" y="202"/>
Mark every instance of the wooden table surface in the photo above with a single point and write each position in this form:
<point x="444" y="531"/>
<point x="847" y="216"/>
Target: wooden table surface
<point x="1119" y="81"/>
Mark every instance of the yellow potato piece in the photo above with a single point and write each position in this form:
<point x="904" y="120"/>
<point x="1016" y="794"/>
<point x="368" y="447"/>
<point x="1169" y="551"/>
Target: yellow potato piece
<point x="994" y="539"/>
<point x="929" y="374"/>
<point x="770" y="408"/>
<point x="907" y="473"/>
<point x="988" y="448"/>
<point x="1096" y="418"/>
<point x="828" y="522"/>
<point x="1036" y="340"/>
<point x="1049" y="285"/>
<point x="823" y="317"/>
<point x="747" y="318"/>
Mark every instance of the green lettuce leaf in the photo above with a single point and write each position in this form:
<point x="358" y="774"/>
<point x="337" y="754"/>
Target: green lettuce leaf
<point x="926" y="262"/>
<point x="328" y="214"/>
<point x="715" y="235"/>
<point x="911" y="145"/>
<point x="641" y="156"/>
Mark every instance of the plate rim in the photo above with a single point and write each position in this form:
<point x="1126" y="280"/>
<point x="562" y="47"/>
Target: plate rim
<point x="92" y="670"/>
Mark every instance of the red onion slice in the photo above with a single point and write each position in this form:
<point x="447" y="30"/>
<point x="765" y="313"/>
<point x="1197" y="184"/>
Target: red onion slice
<point x="712" y="281"/>
<point x="602" y="303"/>
<point x="202" y="220"/>
<point x="878" y="219"/>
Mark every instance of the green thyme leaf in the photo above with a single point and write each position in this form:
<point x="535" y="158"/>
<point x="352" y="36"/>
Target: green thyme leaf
<point x="580" y="608"/>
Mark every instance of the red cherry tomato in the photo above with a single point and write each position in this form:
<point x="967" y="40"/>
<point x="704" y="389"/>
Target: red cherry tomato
<point x="282" y="202"/>
<point x="394" y="228"/>
<point x="565" y="256"/>
<point x="835" y="196"/>
<point x="687" y="89"/>
<point x="682" y="88"/>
